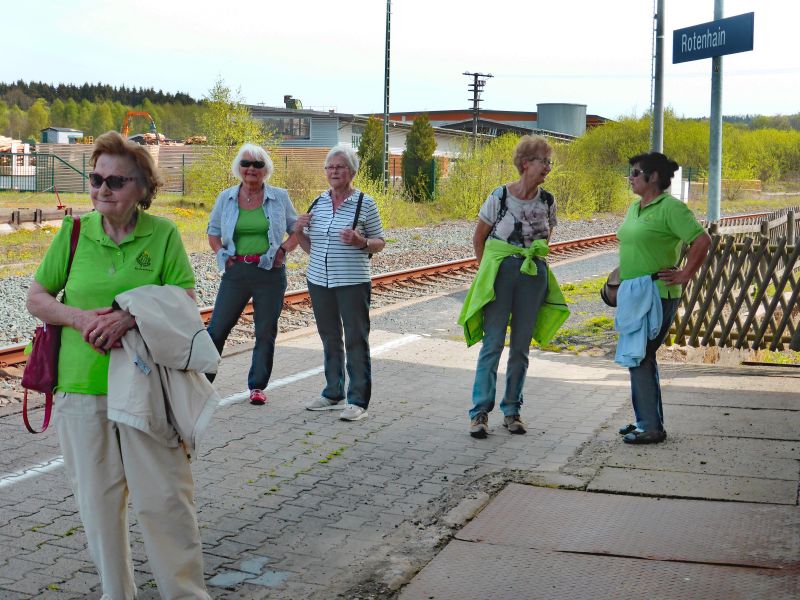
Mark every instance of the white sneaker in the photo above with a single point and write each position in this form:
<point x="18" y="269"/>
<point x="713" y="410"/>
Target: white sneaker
<point x="323" y="403"/>
<point x="353" y="412"/>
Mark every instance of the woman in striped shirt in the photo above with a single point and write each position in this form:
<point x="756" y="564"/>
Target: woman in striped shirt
<point x="340" y="232"/>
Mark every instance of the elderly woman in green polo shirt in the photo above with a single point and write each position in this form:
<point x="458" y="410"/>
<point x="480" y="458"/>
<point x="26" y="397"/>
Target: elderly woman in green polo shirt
<point x="650" y="240"/>
<point x="120" y="247"/>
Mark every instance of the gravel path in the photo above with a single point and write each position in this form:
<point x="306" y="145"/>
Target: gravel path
<point x="405" y="248"/>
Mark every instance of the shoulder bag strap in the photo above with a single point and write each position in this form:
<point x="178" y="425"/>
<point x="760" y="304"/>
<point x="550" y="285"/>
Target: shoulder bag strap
<point x="48" y="397"/>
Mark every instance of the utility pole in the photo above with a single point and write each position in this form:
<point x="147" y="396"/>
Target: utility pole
<point x="657" y="84"/>
<point x="476" y="87"/>
<point x="715" y="140"/>
<point x="386" y="98"/>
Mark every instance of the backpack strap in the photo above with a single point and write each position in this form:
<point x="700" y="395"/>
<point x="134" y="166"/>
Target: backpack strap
<point x="502" y="210"/>
<point x="358" y="210"/>
<point x="314" y="203"/>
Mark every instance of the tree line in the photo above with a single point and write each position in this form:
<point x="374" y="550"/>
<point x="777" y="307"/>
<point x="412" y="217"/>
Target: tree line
<point x="175" y="120"/>
<point x="24" y="94"/>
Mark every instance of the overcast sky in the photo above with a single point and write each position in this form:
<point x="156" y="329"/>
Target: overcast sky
<point x="330" y="53"/>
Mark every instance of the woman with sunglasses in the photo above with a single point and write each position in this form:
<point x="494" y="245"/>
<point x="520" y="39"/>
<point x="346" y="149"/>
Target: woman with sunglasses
<point x="340" y="232"/>
<point x="510" y="240"/>
<point x="120" y="247"/>
<point x="650" y="240"/>
<point x="246" y="231"/>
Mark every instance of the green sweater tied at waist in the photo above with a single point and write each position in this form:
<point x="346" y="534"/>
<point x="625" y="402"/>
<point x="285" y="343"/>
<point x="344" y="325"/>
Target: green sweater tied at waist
<point x="553" y="311"/>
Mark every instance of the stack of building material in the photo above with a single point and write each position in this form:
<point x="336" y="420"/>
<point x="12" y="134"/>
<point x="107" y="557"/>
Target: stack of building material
<point x="6" y="143"/>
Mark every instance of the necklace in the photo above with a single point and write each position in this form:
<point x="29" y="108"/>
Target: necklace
<point x="249" y="199"/>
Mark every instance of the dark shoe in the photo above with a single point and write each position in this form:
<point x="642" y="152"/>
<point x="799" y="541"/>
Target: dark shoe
<point x="629" y="428"/>
<point x="645" y="437"/>
<point x="257" y="397"/>
<point x="479" y="426"/>
<point x="514" y="424"/>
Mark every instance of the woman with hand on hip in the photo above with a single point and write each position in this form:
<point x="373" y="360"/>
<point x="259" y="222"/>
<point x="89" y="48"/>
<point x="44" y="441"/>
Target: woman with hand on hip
<point x="650" y="240"/>
<point x="340" y="232"/>
<point x="246" y="231"/>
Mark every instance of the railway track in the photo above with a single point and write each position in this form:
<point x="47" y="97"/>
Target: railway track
<point x="388" y="288"/>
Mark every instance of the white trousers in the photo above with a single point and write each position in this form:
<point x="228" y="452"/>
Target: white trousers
<point x="105" y="462"/>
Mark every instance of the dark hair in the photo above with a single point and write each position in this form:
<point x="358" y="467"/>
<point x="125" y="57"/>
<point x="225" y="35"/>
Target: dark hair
<point x="113" y="144"/>
<point x="655" y="162"/>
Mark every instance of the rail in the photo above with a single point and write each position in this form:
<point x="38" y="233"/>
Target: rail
<point x="693" y="300"/>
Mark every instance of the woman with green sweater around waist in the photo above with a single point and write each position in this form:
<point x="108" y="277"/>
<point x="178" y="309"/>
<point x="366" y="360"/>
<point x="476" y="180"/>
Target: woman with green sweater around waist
<point x="513" y="284"/>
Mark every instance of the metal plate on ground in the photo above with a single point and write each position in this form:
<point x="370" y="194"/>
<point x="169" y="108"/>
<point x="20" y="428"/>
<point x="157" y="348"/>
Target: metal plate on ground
<point x="468" y="571"/>
<point x="731" y="533"/>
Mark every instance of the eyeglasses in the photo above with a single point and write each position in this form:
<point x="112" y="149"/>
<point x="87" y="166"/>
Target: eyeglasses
<point x="545" y="161"/>
<point x="637" y="172"/>
<point x="256" y="164"/>
<point x="336" y="167"/>
<point x="113" y="182"/>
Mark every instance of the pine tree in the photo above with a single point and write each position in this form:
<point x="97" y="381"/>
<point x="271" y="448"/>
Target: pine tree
<point x="418" y="159"/>
<point x="370" y="150"/>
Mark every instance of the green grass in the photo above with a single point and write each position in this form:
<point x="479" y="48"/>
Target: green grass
<point x="786" y="357"/>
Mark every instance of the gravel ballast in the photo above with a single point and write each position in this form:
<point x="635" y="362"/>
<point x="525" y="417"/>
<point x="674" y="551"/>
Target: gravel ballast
<point x="405" y="248"/>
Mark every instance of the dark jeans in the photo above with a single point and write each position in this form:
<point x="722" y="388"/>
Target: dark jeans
<point x="645" y="384"/>
<point x="518" y="296"/>
<point x="337" y="310"/>
<point x="241" y="282"/>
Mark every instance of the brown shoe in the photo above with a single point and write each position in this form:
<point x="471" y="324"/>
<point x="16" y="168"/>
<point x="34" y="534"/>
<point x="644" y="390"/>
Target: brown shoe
<point x="479" y="426"/>
<point x="514" y="424"/>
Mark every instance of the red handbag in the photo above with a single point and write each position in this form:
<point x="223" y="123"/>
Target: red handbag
<point x="41" y="369"/>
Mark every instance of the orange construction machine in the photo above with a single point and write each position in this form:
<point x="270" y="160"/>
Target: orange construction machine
<point x="126" y="124"/>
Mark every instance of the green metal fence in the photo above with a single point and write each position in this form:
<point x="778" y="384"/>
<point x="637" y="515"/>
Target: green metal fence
<point x="40" y="172"/>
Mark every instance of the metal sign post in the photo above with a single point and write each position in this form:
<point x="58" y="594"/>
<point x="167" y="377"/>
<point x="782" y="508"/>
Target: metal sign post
<point x="713" y="40"/>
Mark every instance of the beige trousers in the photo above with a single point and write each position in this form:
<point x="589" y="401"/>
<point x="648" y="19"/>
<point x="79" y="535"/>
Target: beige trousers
<point x="105" y="462"/>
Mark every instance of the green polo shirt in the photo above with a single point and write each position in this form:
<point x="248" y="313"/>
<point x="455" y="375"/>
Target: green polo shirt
<point x="650" y="239"/>
<point x="152" y="254"/>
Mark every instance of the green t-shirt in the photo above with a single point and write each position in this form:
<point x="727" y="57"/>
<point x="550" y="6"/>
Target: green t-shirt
<point x="250" y="233"/>
<point x="650" y="239"/>
<point x="152" y="254"/>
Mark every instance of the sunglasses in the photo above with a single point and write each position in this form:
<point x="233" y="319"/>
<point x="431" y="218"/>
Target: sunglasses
<point x="113" y="182"/>
<point x="257" y="164"/>
<point x="637" y="172"/>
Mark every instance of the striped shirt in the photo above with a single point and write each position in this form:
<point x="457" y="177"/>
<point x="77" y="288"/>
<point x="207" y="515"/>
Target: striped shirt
<point x="332" y="262"/>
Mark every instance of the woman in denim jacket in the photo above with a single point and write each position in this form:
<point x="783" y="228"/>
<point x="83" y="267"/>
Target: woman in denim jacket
<point x="246" y="230"/>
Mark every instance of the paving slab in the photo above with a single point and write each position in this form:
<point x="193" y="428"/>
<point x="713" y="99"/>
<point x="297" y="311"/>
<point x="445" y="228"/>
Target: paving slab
<point x="671" y="484"/>
<point x="729" y="533"/>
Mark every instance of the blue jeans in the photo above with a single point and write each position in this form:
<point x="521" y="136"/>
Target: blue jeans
<point x="519" y="296"/>
<point x="337" y="310"/>
<point x="645" y="384"/>
<point x="241" y="282"/>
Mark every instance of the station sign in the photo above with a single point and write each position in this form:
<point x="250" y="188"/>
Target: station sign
<point x="723" y="36"/>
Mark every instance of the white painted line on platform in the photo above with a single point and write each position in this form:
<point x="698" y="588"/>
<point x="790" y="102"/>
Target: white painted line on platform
<point x="58" y="461"/>
<point x="245" y="395"/>
<point x="33" y="471"/>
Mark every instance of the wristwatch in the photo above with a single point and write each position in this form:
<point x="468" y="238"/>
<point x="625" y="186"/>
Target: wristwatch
<point x="366" y="244"/>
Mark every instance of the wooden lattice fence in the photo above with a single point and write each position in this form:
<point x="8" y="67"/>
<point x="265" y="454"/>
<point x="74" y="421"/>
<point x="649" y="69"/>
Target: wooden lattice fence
<point x="746" y="292"/>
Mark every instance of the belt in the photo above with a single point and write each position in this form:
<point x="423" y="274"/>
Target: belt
<point x="247" y="258"/>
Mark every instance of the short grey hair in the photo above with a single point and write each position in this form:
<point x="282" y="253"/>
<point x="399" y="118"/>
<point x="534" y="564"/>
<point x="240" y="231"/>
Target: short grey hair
<point x="257" y="153"/>
<point x="348" y="154"/>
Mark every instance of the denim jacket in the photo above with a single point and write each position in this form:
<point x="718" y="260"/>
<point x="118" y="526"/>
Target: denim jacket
<point x="278" y="209"/>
